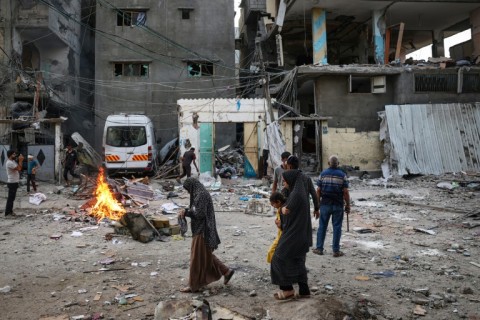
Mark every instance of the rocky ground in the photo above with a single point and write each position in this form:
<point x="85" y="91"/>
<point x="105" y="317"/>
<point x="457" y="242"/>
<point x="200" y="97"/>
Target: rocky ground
<point x="412" y="252"/>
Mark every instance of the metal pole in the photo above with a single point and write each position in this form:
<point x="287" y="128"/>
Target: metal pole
<point x="58" y="151"/>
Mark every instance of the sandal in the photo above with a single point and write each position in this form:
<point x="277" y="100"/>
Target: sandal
<point x="280" y="295"/>
<point x="338" y="254"/>
<point x="318" y="251"/>
<point x="227" y="277"/>
<point x="186" y="290"/>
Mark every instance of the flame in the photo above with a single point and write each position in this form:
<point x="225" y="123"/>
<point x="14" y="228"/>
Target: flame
<point x="106" y="206"/>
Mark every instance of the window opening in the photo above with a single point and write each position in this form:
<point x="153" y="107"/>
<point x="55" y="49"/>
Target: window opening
<point x="131" y="69"/>
<point x="360" y="84"/>
<point x="185" y="14"/>
<point x="131" y="18"/>
<point x="196" y="69"/>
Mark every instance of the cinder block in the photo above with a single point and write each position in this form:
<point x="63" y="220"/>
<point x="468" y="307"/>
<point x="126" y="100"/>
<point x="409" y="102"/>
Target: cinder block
<point x="174" y="230"/>
<point x="160" y="222"/>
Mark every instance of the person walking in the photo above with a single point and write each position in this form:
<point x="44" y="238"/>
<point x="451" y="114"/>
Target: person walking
<point x="333" y="194"/>
<point x="13" y="177"/>
<point x="277" y="200"/>
<point x="32" y="167"/>
<point x="69" y="163"/>
<point x="187" y="159"/>
<point x="205" y="267"/>
<point x="288" y="261"/>
<point x="293" y="163"/>
<point x="277" y="173"/>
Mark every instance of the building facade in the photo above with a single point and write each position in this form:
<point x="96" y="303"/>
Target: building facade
<point x="348" y="61"/>
<point x="152" y="53"/>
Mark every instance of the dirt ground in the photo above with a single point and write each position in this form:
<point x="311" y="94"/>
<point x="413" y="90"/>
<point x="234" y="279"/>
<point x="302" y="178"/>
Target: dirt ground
<point x="49" y="270"/>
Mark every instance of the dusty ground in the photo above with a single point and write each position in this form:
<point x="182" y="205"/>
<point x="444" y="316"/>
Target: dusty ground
<point x="384" y="274"/>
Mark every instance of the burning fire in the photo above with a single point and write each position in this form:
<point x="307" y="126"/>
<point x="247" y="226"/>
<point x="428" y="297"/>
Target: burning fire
<point x="106" y="206"/>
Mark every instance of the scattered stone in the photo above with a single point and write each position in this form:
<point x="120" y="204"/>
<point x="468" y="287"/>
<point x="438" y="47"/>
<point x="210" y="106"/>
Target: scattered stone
<point x="5" y="289"/>
<point x="467" y="290"/>
<point x="420" y="299"/>
<point x="419" y="311"/>
<point x="253" y="293"/>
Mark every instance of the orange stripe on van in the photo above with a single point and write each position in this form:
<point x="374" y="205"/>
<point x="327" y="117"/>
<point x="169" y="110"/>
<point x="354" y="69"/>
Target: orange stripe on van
<point x="140" y="157"/>
<point x="112" y="158"/>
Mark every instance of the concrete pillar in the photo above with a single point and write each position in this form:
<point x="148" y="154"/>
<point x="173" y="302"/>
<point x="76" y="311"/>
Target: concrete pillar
<point x="378" y="32"/>
<point x="438" y="47"/>
<point x="58" y="152"/>
<point x="319" y="35"/>
<point x="475" y="22"/>
<point x="324" y="141"/>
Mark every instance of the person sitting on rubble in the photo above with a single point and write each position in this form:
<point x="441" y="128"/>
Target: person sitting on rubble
<point x="205" y="267"/>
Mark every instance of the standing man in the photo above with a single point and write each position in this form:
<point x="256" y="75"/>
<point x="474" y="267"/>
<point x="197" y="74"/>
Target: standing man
<point x="187" y="159"/>
<point x="333" y="194"/>
<point x="70" y="163"/>
<point x="31" y="171"/>
<point x="277" y="173"/>
<point x="13" y="177"/>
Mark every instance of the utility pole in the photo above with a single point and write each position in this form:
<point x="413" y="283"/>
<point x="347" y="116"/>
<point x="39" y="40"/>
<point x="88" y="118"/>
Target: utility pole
<point x="266" y="82"/>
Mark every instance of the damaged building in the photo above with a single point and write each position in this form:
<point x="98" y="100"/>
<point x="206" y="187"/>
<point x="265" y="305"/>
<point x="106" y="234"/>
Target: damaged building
<point x="44" y="57"/>
<point x="150" y="54"/>
<point x="346" y="60"/>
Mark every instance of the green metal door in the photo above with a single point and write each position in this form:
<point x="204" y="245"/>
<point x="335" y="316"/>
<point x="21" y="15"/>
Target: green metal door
<point x="206" y="147"/>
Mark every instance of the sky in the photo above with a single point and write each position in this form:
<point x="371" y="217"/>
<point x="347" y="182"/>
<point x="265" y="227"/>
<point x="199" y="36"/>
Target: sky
<point x="426" y="52"/>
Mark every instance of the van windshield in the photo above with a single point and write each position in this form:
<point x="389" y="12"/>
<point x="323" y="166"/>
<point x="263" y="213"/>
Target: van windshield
<point x="126" y="136"/>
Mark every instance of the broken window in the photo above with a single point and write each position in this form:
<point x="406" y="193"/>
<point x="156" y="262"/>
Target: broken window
<point x="131" y="69"/>
<point x="197" y="69"/>
<point x="131" y="18"/>
<point x="360" y="84"/>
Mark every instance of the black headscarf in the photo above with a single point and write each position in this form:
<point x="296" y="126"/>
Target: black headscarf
<point x="201" y="212"/>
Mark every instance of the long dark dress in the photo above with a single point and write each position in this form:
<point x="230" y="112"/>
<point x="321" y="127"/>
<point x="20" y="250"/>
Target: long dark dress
<point x="288" y="262"/>
<point x="204" y="265"/>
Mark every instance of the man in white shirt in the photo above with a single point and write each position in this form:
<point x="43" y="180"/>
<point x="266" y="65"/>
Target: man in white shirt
<point x="13" y="177"/>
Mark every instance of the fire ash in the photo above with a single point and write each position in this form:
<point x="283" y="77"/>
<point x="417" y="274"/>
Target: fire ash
<point x="106" y="206"/>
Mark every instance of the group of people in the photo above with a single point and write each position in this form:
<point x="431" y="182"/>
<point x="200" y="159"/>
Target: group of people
<point x="14" y="165"/>
<point x="291" y="193"/>
<point x="287" y="253"/>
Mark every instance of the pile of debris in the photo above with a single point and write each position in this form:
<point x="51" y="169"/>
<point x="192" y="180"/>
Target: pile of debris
<point x="229" y="162"/>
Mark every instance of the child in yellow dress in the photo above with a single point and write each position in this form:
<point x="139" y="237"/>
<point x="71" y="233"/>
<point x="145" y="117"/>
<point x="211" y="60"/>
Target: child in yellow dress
<point x="277" y="200"/>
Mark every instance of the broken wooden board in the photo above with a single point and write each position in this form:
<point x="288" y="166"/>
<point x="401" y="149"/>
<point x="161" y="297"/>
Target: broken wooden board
<point x="429" y="206"/>
<point x="139" y="190"/>
<point x="425" y="231"/>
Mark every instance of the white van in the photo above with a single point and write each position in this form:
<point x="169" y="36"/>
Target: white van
<point x="129" y="144"/>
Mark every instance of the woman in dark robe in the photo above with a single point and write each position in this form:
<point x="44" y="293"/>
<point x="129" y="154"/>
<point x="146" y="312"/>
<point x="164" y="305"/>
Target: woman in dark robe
<point x="205" y="267"/>
<point x="288" y="261"/>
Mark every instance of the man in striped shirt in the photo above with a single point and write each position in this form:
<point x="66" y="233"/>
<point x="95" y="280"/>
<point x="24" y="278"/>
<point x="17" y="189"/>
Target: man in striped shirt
<point x="333" y="194"/>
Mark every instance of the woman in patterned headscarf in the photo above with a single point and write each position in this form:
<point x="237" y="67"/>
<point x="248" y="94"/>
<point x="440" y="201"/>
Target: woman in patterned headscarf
<point x="205" y="267"/>
<point x="288" y="261"/>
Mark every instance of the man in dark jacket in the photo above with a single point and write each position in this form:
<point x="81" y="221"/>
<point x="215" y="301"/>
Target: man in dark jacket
<point x="69" y="164"/>
<point x="187" y="159"/>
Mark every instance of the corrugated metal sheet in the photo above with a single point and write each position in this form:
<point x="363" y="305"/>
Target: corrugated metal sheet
<point x="434" y="138"/>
